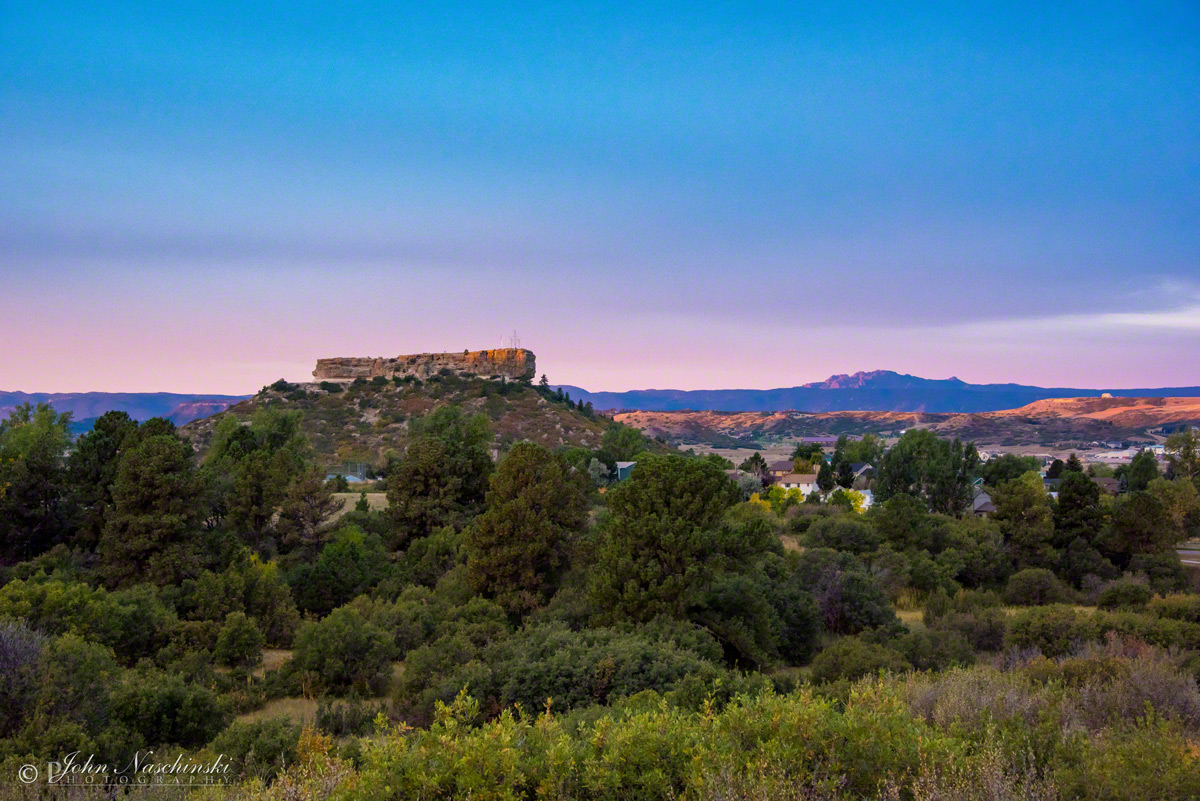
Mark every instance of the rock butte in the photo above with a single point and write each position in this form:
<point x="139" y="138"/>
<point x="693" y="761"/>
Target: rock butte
<point x="512" y="363"/>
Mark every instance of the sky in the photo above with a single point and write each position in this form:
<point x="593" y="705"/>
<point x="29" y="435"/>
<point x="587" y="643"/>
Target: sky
<point x="207" y="197"/>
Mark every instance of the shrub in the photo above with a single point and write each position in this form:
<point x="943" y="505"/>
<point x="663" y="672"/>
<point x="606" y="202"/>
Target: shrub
<point x="344" y="652"/>
<point x="984" y="629"/>
<point x="1149" y="681"/>
<point x="350" y="564"/>
<point x="933" y="650"/>
<point x="974" y="700"/>
<point x="1036" y="587"/>
<point x="844" y="533"/>
<point x="1164" y="571"/>
<point x="1176" y="607"/>
<point x="166" y="710"/>
<point x="20" y="649"/>
<point x="260" y="749"/>
<point x="1053" y="630"/>
<point x="331" y="387"/>
<point x="348" y="718"/>
<point x="239" y="643"/>
<point x="852" y="658"/>
<point x="134" y="622"/>
<point x="1124" y="593"/>
<point x="545" y="662"/>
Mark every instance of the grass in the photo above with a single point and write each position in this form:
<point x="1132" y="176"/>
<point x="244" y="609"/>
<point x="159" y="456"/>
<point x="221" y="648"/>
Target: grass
<point x="1013" y="610"/>
<point x="273" y="658"/>
<point x="301" y="711"/>
<point x="376" y="500"/>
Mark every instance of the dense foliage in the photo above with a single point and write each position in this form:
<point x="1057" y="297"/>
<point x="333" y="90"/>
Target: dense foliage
<point x="554" y="629"/>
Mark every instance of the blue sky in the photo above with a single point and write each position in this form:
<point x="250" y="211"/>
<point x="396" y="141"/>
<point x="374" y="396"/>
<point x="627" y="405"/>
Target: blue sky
<point x="205" y="197"/>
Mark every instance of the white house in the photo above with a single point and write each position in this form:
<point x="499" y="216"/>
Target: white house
<point x="805" y="482"/>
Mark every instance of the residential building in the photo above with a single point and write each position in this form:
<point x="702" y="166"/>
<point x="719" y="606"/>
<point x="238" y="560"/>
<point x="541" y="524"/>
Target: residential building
<point x="781" y="468"/>
<point x="805" y="482"/>
<point x="981" y="504"/>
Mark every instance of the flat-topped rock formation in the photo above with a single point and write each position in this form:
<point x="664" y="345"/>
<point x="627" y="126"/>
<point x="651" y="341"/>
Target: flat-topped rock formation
<point x="513" y="363"/>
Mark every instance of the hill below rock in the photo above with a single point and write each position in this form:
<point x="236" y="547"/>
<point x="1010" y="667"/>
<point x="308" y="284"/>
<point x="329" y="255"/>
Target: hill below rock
<point x="1044" y="422"/>
<point x="364" y="420"/>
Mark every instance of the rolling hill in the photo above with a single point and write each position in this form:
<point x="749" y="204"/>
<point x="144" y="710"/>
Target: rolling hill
<point x="1044" y="422"/>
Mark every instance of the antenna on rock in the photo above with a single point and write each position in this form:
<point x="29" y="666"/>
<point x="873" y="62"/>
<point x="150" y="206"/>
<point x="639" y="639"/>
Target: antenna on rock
<point x="514" y="341"/>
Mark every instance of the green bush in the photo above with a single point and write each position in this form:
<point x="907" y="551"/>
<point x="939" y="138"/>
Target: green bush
<point x="348" y="718"/>
<point x="984" y="629"/>
<point x="844" y="532"/>
<point x="1036" y="587"/>
<point x="930" y="649"/>
<point x="545" y="663"/>
<point x="1176" y="607"/>
<point x="1163" y="570"/>
<point x="134" y="622"/>
<point x="344" y="653"/>
<point x="852" y="658"/>
<point x="239" y="643"/>
<point x="351" y="563"/>
<point x="259" y="749"/>
<point x="1124" y="594"/>
<point x="1053" y="630"/>
<point x="163" y="709"/>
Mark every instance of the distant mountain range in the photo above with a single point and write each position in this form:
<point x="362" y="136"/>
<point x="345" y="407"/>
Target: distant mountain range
<point x="85" y="407"/>
<point x="877" y="390"/>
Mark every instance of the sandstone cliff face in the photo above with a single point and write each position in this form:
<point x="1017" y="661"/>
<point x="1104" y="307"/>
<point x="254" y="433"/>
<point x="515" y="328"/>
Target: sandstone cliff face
<point x="511" y="363"/>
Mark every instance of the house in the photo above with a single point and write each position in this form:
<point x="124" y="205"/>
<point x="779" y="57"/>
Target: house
<point x="868" y="498"/>
<point x="861" y="469"/>
<point x="825" y="442"/>
<point x="1110" y="485"/>
<point x="981" y="504"/>
<point x="623" y="470"/>
<point x="781" y="468"/>
<point x="805" y="482"/>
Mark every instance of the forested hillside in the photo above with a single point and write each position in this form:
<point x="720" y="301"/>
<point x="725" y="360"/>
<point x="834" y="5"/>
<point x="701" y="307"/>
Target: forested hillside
<point x="366" y="421"/>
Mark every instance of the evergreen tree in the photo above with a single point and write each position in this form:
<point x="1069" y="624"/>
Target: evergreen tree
<point x="91" y="470"/>
<point x="33" y="512"/>
<point x="307" y="512"/>
<point x="156" y="508"/>
<point x="517" y="549"/>
<point x="442" y="478"/>
<point x="755" y="465"/>
<point x="1140" y="472"/>
<point x="845" y="475"/>
<point x="825" y="478"/>
<point x="1026" y="519"/>
<point x="1183" y="453"/>
<point x="664" y="539"/>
